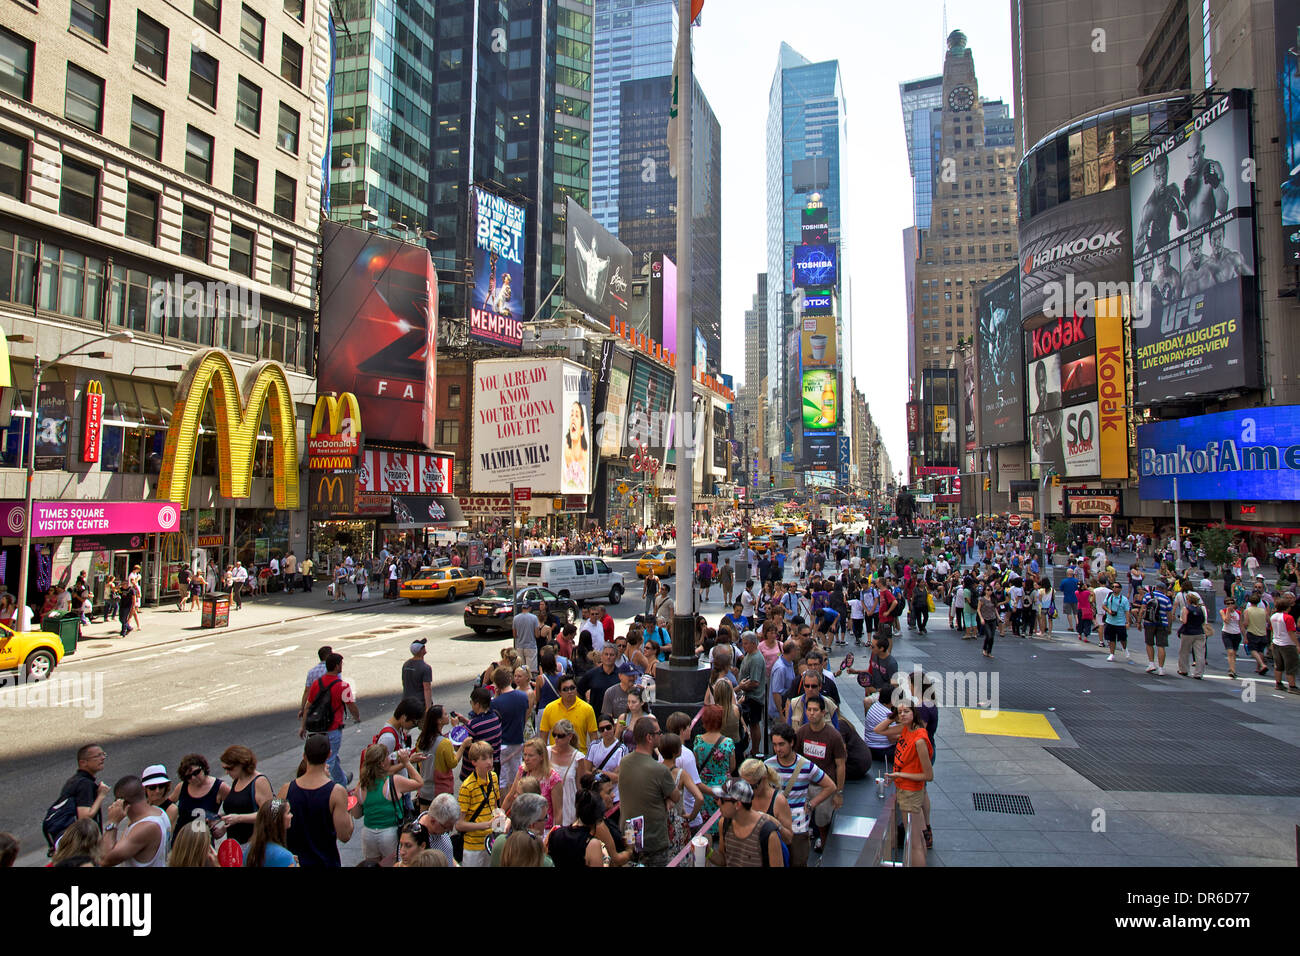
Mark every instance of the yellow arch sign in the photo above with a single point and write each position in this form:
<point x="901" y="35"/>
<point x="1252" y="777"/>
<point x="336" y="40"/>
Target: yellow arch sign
<point x="342" y="415"/>
<point x="238" y="415"/>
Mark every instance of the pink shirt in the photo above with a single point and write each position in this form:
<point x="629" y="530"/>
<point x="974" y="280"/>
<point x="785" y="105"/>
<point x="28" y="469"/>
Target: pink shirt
<point x="770" y="654"/>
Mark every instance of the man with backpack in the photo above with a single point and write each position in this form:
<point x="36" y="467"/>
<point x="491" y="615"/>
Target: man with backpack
<point x="82" y="796"/>
<point x="1156" y="611"/>
<point x="328" y="701"/>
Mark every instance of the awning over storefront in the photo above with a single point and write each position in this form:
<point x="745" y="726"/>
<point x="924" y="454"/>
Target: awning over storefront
<point x="412" y="512"/>
<point x="1261" y="529"/>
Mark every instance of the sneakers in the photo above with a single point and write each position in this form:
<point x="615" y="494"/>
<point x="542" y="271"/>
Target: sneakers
<point x="1160" y="672"/>
<point x="1110" y="658"/>
<point x="1127" y="655"/>
<point x="1151" y="668"/>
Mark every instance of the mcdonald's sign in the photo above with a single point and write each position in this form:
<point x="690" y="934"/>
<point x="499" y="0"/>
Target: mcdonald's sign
<point x="332" y="494"/>
<point x="337" y="449"/>
<point x="93" y="421"/>
<point x="238" y="415"/>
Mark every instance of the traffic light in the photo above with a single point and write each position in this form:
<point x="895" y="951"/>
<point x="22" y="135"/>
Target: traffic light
<point x="1056" y="481"/>
<point x="986" y="484"/>
<point x="771" y="479"/>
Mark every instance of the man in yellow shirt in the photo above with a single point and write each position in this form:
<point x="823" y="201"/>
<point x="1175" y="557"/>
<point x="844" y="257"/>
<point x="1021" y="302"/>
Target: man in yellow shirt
<point x="568" y="707"/>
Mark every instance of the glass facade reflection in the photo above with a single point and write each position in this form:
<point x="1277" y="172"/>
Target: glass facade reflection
<point x="1088" y="157"/>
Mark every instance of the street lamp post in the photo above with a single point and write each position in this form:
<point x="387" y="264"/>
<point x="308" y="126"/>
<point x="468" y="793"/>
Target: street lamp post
<point x="24" y="561"/>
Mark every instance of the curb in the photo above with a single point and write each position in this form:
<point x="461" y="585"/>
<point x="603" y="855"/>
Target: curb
<point x="207" y="632"/>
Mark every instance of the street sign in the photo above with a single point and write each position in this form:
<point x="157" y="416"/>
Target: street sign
<point x="1014" y="520"/>
<point x="1105" y="521"/>
<point x="523" y="494"/>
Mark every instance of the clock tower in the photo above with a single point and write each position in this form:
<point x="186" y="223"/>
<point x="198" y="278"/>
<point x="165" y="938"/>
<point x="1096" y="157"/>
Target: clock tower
<point x="971" y="239"/>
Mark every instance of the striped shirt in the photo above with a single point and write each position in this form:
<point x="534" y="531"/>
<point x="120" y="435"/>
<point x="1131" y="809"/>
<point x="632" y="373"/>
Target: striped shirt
<point x="1162" y="601"/>
<point x="472" y="794"/>
<point x="484" y="726"/>
<point x="796" y="794"/>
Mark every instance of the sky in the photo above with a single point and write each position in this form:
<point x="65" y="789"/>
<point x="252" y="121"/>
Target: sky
<point x="736" y="47"/>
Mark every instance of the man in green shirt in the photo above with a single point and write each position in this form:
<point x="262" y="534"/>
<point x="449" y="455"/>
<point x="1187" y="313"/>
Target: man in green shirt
<point x="753" y="672"/>
<point x="644" y="787"/>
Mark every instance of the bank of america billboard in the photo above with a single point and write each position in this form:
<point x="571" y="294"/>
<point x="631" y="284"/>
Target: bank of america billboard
<point x="1196" y="331"/>
<point x="1247" y="455"/>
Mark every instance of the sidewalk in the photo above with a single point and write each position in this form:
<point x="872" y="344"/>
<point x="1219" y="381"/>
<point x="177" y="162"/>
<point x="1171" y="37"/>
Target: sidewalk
<point x="164" y="624"/>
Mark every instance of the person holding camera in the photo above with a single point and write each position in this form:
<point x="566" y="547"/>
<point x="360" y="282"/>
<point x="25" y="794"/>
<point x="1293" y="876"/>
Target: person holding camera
<point x="379" y="800"/>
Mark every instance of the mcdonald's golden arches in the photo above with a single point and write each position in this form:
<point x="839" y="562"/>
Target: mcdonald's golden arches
<point x="238" y="415"/>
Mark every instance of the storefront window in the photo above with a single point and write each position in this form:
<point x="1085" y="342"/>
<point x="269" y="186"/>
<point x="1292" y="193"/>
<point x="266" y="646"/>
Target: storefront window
<point x="259" y="534"/>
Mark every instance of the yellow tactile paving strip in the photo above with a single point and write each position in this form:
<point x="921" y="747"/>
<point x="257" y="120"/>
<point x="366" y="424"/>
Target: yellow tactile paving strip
<point x="1007" y="723"/>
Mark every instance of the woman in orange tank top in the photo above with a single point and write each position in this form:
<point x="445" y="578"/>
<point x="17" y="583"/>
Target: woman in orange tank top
<point x="912" y="769"/>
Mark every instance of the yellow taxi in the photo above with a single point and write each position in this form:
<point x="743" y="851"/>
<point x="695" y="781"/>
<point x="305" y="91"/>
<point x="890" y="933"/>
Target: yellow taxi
<point x="446" y="584"/>
<point x="761" y="544"/>
<point x="30" y="656"/>
<point x="662" y="563"/>
<point x="758" y="528"/>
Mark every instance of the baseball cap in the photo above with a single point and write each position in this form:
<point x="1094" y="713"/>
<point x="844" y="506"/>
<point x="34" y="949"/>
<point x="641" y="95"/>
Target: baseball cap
<point x="154" y="775"/>
<point x="626" y="668"/>
<point x="420" y="645"/>
<point x="1259" y="577"/>
<point x="735" y="789"/>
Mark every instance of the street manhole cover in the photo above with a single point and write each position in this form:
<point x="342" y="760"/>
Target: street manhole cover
<point x="359" y="637"/>
<point x="1003" y="803"/>
<point x="98" y="647"/>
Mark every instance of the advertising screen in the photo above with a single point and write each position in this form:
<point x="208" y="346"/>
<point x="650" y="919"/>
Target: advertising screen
<point x="1000" y="361"/>
<point x="650" y="400"/>
<point x="1250" y="455"/>
<point x="819" y="450"/>
<point x="815" y="226"/>
<point x="968" y="401"/>
<point x="663" y="302"/>
<point x="815" y="266"/>
<point x="378" y="318"/>
<point x="818" y="302"/>
<point x="404" y="473"/>
<point x="720" y="443"/>
<point x="597" y="267"/>
<point x="496" y="228"/>
<point x="1067" y="440"/>
<point x="531" y="426"/>
<point x="820" y="406"/>
<point x="1062" y="363"/>
<point x="1286" y="31"/>
<point x="610" y="423"/>
<point x="1067" y="250"/>
<point x="817" y="342"/>
<point x="1195" y="328"/>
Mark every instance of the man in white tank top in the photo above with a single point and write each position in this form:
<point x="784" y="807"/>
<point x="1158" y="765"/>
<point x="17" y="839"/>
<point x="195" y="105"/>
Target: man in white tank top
<point x="137" y="833"/>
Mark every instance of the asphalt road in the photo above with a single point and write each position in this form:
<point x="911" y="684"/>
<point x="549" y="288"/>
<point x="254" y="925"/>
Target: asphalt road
<point x="242" y="687"/>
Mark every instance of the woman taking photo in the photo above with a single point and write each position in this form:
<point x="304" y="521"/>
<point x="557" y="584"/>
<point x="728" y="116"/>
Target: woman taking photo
<point x="441" y="757"/>
<point x="267" y="848"/>
<point x="912" y="770"/>
<point x="1230" y="616"/>
<point x="249" y="790"/>
<point x="570" y="763"/>
<point x="379" y="801"/>
<point x="607" y="830"/>
<point x="536" y="765"/>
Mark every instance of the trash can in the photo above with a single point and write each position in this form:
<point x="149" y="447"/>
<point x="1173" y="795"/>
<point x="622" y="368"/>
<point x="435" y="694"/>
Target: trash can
<point x="216" y="609"/>
<point x="67" y="626"/>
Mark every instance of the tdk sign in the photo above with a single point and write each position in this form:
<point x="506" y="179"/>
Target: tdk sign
<point x="817" y="303"/>
<point x="814" y="265"/>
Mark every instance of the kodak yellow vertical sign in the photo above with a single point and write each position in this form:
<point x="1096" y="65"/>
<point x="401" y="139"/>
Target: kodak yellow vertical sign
<point x="1112" y="387"/>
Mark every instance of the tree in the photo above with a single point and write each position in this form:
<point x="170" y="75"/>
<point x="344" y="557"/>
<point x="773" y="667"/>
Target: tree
<point x="1061" y="532"/>
<point x="1217" y="543"/>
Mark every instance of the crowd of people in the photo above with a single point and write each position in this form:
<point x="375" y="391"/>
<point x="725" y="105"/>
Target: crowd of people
<point x="561" y="761"/>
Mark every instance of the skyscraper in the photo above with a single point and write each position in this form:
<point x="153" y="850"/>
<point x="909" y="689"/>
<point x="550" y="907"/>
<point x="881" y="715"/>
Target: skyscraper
<point x="383" y="102"/>
<point x="633" y="40"/>
<point x="508" y="88"/>
<point x="805" y="119"/>
<point x="972" y="236"/>
<point x="920" y="99"/>
<point x="647" y="200"/>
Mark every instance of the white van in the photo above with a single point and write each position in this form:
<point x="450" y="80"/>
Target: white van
<point x="575" y="576"/>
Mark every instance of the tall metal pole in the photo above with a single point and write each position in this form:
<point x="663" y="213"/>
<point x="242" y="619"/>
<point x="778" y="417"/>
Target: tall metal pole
<point x="1178" y="532"/>
<point x="24" y="561"/>
<point x="683" y="654"/>
<point x="514" y="538"/>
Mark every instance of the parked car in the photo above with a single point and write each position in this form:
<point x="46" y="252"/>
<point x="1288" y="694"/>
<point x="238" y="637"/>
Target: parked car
<point x="576" y="577"/>
<point x="30" y="656"/>
<point x="726" y="541"/>
<point x="446" y="584"/>
<point x="494" y="610"/>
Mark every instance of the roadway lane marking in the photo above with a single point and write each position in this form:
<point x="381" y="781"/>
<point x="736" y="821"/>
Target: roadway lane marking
<point x="134" y="660"/>
<point x="282" y="651"/>
<point x="374" y="653"/>
<point x="190" y="649"/>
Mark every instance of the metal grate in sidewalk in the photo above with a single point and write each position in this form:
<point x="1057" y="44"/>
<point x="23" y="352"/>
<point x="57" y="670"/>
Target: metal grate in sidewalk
<point x="1003" y="803"/>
